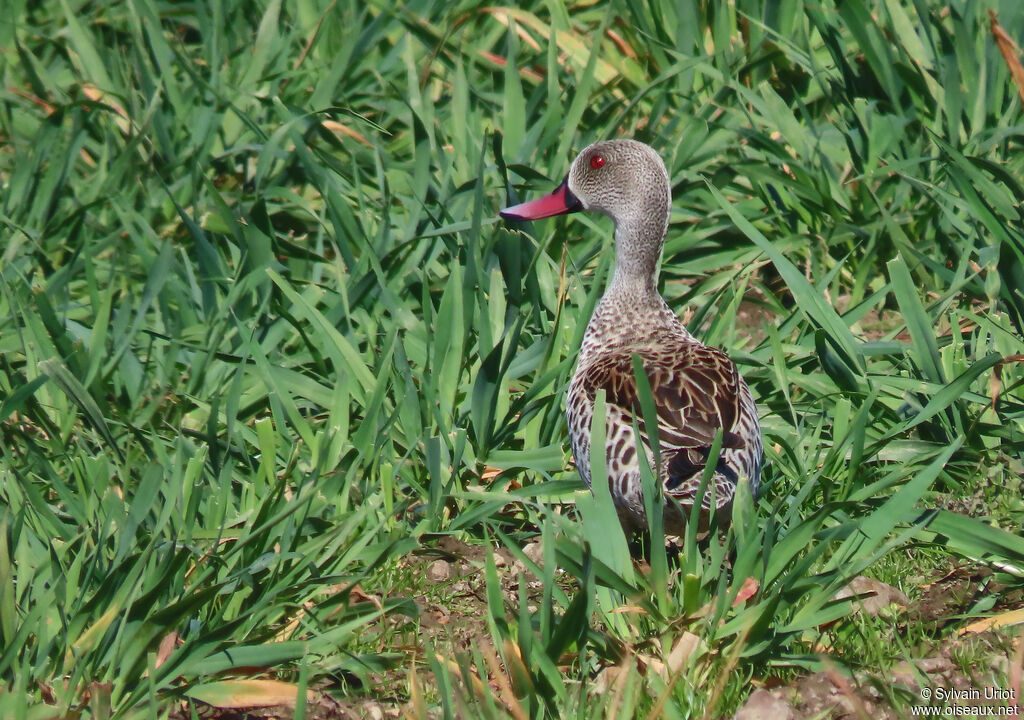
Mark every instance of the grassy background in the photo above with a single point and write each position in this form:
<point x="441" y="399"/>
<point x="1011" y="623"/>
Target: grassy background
<point x="263" y="340"/>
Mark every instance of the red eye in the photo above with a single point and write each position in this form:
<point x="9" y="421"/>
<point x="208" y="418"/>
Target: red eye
<point x="597" y="161"/>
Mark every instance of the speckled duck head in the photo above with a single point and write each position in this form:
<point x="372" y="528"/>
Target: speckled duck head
<point x="625" y="180"/>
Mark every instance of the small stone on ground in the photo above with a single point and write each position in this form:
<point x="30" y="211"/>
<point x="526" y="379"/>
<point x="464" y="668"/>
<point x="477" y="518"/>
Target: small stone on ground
<point x="764" y="705"/>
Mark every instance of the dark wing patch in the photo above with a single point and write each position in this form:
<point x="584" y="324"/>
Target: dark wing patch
<point x="696" y="391"/>
<point x="689" y="463"/>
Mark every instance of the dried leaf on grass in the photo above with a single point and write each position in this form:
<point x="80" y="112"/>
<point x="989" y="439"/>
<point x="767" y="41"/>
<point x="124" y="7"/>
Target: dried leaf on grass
<point x="167" y="645"/>
<point x="747" y="590"/>
<point x="490" y="473"/>
<point x="247" y="693"/>
<point x="1009" y="50"/>
<point x="684" y="648"/>
<point x="995" y="385"/>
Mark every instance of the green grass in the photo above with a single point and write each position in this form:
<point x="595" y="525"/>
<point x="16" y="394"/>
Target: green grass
<point x="262" y="335"/>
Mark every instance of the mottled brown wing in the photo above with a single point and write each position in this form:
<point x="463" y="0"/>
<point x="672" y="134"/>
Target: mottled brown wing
<point x="695" y="390"/>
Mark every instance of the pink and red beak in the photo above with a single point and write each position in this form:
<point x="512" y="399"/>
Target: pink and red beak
<point x="560" y="202"/>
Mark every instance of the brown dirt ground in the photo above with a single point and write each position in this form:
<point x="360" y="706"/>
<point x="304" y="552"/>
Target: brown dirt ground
<point x="453" y="620"/>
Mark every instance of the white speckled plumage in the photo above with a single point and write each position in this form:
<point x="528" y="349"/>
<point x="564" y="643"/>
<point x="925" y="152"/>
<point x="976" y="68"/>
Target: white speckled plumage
<point x="697" y="389"/>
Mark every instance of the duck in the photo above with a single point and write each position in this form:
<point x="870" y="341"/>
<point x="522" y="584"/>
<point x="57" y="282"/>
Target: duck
<point x="697" y="389"/>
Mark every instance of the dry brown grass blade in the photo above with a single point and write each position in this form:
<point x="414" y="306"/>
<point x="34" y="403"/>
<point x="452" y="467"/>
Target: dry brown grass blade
<point x="243" y="693"/>
<point x="47" y="107"/>
<point x="478" y="687"/>
<point x="355" y="593"/>
<point x="574" y="46"/>
<point x="508" y="698"/>
<point x="618" y="676"/>
<point x="98" y="96"/>
<point x="723" y="677"/>
<point x="1006" y="619"/>
<point x="415" y="695"/>
<point x="621" y="44"/>
<point x="498" y="60"/>
<point x="497" y="676"/>
<point x="517" y="672"/>
<point x="311" y="40"/>
<point x="1010" y="52"/>
<point x="337" y="127"/>
<point x="628" y="609"/>
<point x="206" y="555"/>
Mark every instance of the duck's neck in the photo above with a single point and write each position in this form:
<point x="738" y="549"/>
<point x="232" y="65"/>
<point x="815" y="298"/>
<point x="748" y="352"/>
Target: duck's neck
<point x="632" y="313"/>
<point x="638" y="242"/>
